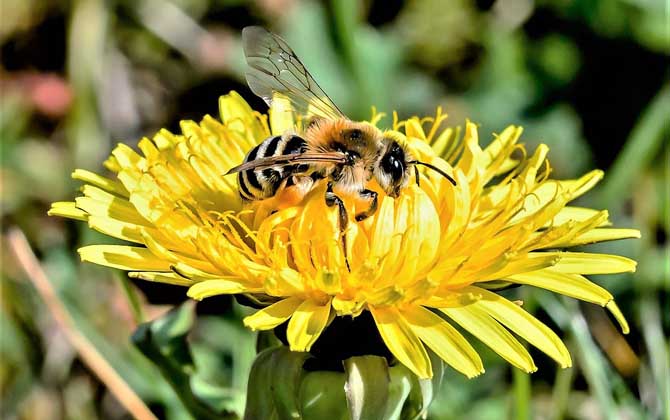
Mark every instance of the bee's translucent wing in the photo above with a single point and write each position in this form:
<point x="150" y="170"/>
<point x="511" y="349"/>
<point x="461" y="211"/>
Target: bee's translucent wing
<point x="291" y="159"/>
<point x="275" y="70"/>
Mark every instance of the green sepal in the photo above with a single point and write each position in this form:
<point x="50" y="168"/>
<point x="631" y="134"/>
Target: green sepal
<point x="260" y="401"/>
<point x="322" y="396"/>
<point x="366" y="387"/>
<point x="281" y="388"/>
<point x="400" y="386"/>
<point x="287" y="375"/>
<point x="265" y="340"/>
<point x="430" y="387"/>
<point x="410" y="399"/>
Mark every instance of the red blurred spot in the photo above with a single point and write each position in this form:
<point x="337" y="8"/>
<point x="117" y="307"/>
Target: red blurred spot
<point x="50" y="95"/>
<point x="47" y="93"/>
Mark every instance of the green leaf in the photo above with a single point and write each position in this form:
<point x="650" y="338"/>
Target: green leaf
<point x="366" y="387"/>
<point x="169" y="334"/>
<point x="642" y="146"/>
<point x="163" y="341"/>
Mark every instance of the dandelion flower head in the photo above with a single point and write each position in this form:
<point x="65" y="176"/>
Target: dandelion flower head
<point x="423" y="265"/>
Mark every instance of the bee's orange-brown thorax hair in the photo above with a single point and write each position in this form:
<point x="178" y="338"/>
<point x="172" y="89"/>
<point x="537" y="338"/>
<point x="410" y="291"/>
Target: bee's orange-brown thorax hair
<point x="344" y="135"/>
<point x="335" y="135"/>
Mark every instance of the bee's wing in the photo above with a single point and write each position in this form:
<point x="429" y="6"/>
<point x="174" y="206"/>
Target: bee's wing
<point x="274" y="69"/>
<point x="291" y="159"/>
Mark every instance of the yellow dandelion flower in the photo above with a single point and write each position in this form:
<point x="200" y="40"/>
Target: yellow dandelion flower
<point x="423" y="263"/>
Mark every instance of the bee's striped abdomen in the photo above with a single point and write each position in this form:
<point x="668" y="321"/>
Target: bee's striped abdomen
<point x="258" y="184"/>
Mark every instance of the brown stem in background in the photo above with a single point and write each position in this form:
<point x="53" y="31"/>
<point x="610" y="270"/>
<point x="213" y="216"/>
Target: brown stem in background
<point x="87" y="351"/>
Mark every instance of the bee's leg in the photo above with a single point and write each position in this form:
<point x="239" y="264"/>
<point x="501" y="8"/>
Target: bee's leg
<point x="367" y="195"/>
<point x="331" y="200"/>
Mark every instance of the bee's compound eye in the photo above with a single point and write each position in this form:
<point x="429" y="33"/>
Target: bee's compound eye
<point x="393" y="166"/>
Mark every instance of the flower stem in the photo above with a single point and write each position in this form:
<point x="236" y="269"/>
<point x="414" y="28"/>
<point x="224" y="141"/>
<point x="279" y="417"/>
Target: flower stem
<point x="561" y="392"/>
<point x="521" y="394"/>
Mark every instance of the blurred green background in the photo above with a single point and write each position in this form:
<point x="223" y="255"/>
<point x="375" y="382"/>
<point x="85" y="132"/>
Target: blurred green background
<point x="589" y="78"/>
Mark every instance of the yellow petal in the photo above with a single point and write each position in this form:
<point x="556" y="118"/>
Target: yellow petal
<point x="414" y="129"/>
<point x="190" y="272"/>
<point x="383" y="230"/>
<point x="586" y="182"/>
<point x="306" y="324"/>
<point x="111" y="227"/>
<point x="490" y="332"/>
<point x="238" y="115"/>
<point x="471" y="161"/>
<point x="616" y="312"/>
<point x="600" y="235"/>
<point x="444" y="143"/>
<point x="524" y="324"/>
<point x="100" y="181"/>
<point x="128" y="158"/>
<point x="112" y="164"/>
<point x="100" y="203"/>
<point x="587" y="263"/>
<point x="497" y="152"/>
<point x="531" y="262"/>
<point x="444" y="340"/>
<point x="67" y="209"/>
<point x="529" y="175"/>
<point x="573" y="285"/>
<point x="347" y="307"/>
<point x="402" y="341"/>
<point x="169" y="278"/>
<point x="329" y="282"/>
<point x="124" y="257"/>
<point x="577" y="214"/>
<point x="149" y="149"/>
<point x="285" y="281"/>
<point x="208" y="288"/>
<point x="421" y="239"/>
<point x="457" y="207"/>
<point x="275" y="314"/>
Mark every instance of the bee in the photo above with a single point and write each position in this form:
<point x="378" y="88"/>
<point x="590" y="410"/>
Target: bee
<point x="345" y="153"/>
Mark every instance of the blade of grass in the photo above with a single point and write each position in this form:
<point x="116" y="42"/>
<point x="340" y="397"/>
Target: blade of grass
<point x="644" y="142"/>
<point x="592" y="361"/>
<point x="346" y="20"/>
<point x="659" y="351"/>
<point x="87" y="351"/>
<point x="87" y="34"/>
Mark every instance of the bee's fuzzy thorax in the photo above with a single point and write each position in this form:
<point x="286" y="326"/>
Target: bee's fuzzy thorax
<point x="326" y="135"/>
<point x="358" y="139"/>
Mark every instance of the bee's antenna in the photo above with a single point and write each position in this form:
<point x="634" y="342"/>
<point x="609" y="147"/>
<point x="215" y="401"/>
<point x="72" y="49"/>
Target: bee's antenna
<point x="433" y="167"/>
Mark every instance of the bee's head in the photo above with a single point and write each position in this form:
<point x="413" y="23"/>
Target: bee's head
<point x="393" y="167"/>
